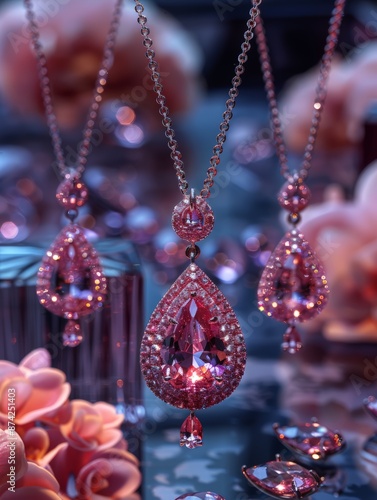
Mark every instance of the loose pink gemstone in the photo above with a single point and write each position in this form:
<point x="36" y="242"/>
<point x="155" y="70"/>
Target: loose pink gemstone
<point x="72" y="335"/>
<point x="203" y="495"/>
<point x="72" y="193"/>
<point x="283" y="479"/>
<point x="193" y="353"/>
<point x="193" y="219"/>
<point x="310" y="439"/>
<point x="294" y="196"/>
<point x="293" y="285"/>
<point x="191" y="432"/>
<point x="70" y="280"/>
<point x="291" y="340"/>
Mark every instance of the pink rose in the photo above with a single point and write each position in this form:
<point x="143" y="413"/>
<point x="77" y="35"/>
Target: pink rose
<point x="37" y="483"/>
<point x="92" y="427"/>
<point x="110" y="474"/>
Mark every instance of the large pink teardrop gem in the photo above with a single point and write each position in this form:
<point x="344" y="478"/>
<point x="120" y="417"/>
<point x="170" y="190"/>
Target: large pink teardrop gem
<point x="191" y="434"/>
<point x="293" y="286"/>
<point x="70" y="280"/>
<point x="193" y="352"/>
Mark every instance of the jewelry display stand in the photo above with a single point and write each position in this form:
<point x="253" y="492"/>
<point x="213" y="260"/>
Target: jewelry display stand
<point x="105" y="366"/>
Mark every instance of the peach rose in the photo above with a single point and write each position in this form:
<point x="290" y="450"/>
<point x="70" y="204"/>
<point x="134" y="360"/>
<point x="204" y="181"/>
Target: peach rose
<point x="92" y="427"/>
<point x="343" y="233"/>
<point x="351" y="90"/>
<point x="110" y="474"/>
<point x="36" y="483"/>
<point x="73" y="35"/>
<point x="37" y="392"/>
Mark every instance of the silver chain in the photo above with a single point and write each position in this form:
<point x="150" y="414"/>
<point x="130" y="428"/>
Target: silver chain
<point x="320" y="96"/>
<point x="101" y="80"/>
<point x="158" y="88"/>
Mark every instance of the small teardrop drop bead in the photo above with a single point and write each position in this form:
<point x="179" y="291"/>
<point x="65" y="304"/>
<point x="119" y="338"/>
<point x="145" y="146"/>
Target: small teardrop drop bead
<point x="191" y="432"/>
<point x="72" y="335"/>
<point x="291" y="340"/>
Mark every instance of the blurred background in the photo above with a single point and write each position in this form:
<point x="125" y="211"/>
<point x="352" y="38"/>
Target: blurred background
<point x="133" y="190"/>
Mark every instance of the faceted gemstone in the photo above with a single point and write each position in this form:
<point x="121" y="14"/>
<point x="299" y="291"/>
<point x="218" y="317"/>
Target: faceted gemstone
<point x="72" y="335"/>
<point x="283" y="479"/>
<point x="70" y="280"/>
<point x="291" y="340"/>
<point x="310" y="439"/>
<point x="72" y="193"/>
<point x="191" y="432"/>
<point x="193" y="219"/>
<point x="370" y="404"/>
<point x="294" y="196"/>
<point x="193" y="353"/>
<point x="293" y="286"/>
<point x="203" y="495"/>
<point x="192" y="346"/>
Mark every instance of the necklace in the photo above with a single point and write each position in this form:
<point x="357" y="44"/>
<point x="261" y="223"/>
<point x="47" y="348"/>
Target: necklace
<point x="193" y="353"/>
<point x="293" y="286"/>
<point x="70" y="279"/>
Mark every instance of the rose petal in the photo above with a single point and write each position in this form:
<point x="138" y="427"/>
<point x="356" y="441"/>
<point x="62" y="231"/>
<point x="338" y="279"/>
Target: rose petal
<point x="30" y="492"/>
<point x="37" y="359"/>
<point x="36" y="441"/>
<point x="38" y="476"/>
<point x="109" y="416"/>
<point x="108" y="438"/>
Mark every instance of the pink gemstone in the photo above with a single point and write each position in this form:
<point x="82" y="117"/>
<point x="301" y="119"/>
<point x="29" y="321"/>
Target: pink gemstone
<point x="72" y="335"/>
<point x="193" y="220"/>
<point x="70" y="280"/>
<point x="72" y="193"/>
<point x="283" y="479"/>
<point x="193" y="351"/>
<point x="291" y="340"/>
<point x="293" y="286"/>
<point x="203" y="495"/>
<point x="191" y="432"/>
<point x="294" y="196"/>
<point x="310" y="439"/>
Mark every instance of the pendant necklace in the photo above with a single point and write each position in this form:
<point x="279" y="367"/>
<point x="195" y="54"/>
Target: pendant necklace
<point x="293" y="287"/>
<point x="70" y="279"/>
<point x="193" y="352"/>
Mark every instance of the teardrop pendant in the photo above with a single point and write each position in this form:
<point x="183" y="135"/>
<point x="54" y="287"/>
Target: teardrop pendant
<point x="191" y="434"/>
<point x="70" y="279"/>
<point x="193" y="352"/>
<point x="293" y="286"/>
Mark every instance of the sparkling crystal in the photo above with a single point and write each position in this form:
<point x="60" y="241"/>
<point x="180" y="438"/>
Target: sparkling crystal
<point x="291" y="340"/>
<point x="193" y="219"/>
<point x="72" y="335"/>
<point x="198" y="343"/>
<point x="191" y="432"/>
<point x="310" y="439"/>
<point x="293" y="286"/>
<point x="72" y="193"/>
<point x="294" y="196"/>
<point x="70" y="280"/>
<point x="283" y="479"/>
<point x="202" y="495"/>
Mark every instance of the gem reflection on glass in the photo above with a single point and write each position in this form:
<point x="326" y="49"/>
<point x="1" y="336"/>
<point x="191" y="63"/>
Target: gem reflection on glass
<point x="310" y="439"/>
<point x="204" y="495"/>
<point x="281" y="479"/>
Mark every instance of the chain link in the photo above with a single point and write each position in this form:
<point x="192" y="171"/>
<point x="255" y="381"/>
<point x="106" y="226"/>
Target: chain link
<point x="101" y="80"/>
<point x="320" y="94"/>
<point x="158" y="88"/>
